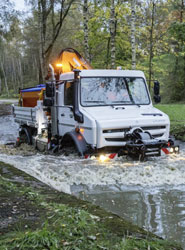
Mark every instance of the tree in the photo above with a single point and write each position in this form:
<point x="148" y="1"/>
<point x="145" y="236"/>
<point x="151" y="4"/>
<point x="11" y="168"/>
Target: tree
<point x="133" y="39"/>
<point x="48" y="34"/>
<point x="151" y="53"/>
<point x="177" y="39"/>
<point x="7" y="19"/>
<point x="113" y="34"/>
<point x="86" y="30"/>
<point x="6" y="14"/>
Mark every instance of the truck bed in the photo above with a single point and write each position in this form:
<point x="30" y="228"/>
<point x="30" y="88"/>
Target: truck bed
<point x="25" y="115"/>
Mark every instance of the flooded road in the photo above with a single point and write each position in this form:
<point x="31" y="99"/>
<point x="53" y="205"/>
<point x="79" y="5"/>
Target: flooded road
<point x="151" y="194"/>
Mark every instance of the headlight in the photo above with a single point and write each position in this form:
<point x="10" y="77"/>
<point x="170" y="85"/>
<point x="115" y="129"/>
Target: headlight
<point x="176" y="149"/>
<point x="171" y="150"/>
<point x="103" y="158"/>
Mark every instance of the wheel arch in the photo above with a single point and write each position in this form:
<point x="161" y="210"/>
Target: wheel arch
<point x="78" y="140"/>
<point x="27" y="131"/>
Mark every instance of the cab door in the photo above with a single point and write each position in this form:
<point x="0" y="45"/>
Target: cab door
<point x="66" y="121"/>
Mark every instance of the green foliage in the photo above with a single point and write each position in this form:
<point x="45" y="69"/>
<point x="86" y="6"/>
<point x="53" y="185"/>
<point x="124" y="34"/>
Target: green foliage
<point x="144" y="244"/>
<point x="177" y="30"/>
<point x="175" y="111"/>
<point x="39" y="239"/>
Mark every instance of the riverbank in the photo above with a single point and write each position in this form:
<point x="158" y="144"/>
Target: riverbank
<point x="32" y="214"/>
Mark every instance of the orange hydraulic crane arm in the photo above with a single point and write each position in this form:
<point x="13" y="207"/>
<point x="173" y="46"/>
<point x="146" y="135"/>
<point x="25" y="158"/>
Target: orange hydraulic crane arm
<point x="70" y="59"/>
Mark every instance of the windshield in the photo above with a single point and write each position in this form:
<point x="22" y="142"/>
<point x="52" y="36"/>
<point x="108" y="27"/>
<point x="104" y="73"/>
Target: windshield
<point x="113" y="91"/>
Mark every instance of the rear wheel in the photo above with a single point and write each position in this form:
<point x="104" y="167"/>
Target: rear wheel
<point x="25" y="135"/>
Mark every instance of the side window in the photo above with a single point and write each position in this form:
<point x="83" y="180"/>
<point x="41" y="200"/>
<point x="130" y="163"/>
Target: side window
<point x="68" y="93"/>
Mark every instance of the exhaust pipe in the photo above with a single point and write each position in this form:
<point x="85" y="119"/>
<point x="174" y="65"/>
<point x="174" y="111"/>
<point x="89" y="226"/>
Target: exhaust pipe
<point x="52" y="73"/>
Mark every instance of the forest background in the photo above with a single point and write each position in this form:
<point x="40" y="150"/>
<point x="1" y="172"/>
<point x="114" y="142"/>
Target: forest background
<point x="147" y="35"/>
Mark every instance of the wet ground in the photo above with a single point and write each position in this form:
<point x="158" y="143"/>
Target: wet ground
<point x="16" y="209"/>
<point x="5" y="110"/>
<point x="151" y="194"/>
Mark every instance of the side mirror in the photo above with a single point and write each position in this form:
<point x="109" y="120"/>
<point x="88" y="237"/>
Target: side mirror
<point x="50" y="90"/>
<point x="157" y="97"/>
<point x="48" y="102"/>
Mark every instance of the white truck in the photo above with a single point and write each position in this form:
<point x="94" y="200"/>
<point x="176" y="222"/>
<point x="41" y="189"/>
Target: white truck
<point x="97" y="111"/>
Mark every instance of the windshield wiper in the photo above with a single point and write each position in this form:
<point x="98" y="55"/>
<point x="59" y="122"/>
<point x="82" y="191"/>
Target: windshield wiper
<point x="121" y="102"/>
<point x="94" y="101"/>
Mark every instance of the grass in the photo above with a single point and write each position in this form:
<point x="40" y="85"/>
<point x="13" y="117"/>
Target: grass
<point x="176" y="113"/>
<point x="70" y="224"/>
<point x="73" y="228"/>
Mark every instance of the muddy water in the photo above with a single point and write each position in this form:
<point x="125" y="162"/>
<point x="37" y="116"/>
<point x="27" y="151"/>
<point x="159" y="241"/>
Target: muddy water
<point x="151" y="194"/>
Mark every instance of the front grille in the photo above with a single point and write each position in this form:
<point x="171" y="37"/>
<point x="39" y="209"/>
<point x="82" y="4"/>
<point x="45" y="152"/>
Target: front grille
<point x="118" y="130"/>
<point x="117" y="135"/>
<point x="156" y="136"/>
<point x="153" y="127"/>
<point x="115" y="139"/>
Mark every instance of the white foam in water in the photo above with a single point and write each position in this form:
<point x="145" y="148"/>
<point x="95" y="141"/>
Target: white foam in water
<point x="63" y="172"/>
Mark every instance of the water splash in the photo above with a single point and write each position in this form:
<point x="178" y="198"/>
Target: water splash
<point x="8" y="129"/>
<point x="62" y="172"/>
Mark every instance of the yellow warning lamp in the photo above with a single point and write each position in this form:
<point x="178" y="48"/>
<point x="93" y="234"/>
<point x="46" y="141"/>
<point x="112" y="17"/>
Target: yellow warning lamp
<point x="59" y="65"/>
<point x="59" y="69"/>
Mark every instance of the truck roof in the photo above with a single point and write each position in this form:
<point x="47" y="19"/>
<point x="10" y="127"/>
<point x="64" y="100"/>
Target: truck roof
<point x="103" y="73"/>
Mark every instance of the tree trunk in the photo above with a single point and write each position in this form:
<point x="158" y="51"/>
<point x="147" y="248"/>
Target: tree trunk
<point x="113" y="35"/>
<point x="133" y="31"/>
<point x="14" y="76"/>
<point x="151" y="46"/>
<point x="20" y="73"/>
<point x="108" y="52"/>
<point x="0" y="86"/>
<point x="86" y="30"/>
<point x="41" y="44"/>
<point x="182" y="11"/>
<point x="5" y="80"/>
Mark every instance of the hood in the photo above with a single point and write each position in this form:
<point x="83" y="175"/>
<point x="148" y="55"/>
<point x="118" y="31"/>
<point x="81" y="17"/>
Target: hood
<point x="111" y="121"/>
<point x="127" y="116"/>
<point x="108" y="113"/>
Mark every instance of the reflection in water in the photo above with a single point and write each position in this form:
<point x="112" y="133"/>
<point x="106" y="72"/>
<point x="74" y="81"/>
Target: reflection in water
<point x="161" y="211"/>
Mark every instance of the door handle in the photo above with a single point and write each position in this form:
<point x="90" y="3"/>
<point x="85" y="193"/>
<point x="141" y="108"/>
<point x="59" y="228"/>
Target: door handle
<point x="71" y="116"/>
<point x="62" y="114"/>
